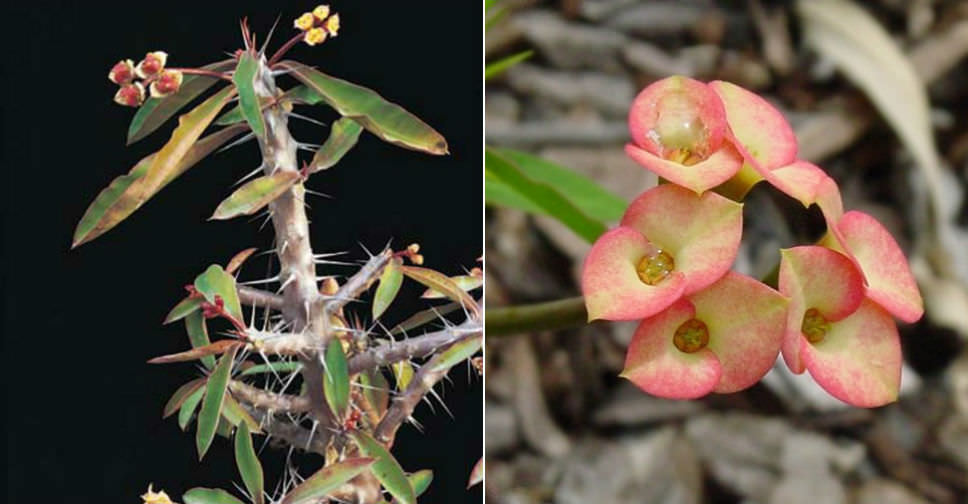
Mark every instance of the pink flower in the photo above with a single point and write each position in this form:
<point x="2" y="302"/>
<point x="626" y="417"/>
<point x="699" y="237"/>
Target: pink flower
<point x="678" y="128"/>
<point x="670" y="243"/>
<point x="152" y="65"/>
<point x="167" y="83"/>
<point x="848" y="342"/>
<point x="130" y="95"/>
<point x="122" y="72"/>
<point x="723" y="339"/>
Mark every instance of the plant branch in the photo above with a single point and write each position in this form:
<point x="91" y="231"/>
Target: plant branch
<point x="359" y="282"/>
<point x="551" y="315"/>
<point x="265" y="400"/>
<point x="294" y="435"/>
<point x="260" y="298"/>
<point x="420" y="346"/>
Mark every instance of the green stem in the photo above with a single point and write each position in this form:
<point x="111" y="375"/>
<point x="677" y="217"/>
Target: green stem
<point x="560" y="314"/>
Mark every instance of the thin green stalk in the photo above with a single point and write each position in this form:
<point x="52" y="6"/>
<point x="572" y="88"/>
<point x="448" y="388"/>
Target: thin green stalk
<point x="560" y="314"/>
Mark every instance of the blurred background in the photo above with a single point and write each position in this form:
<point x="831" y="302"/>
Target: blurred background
<point x="876" y="93"/>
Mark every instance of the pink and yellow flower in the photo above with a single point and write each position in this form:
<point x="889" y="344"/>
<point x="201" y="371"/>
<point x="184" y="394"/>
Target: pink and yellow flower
<point x="122" y="72"/>
<point x="130" y="95"/>
<point x="167" y="83"/>
<point x="152" y="64"/>
<point x="722" y="339"/>
<point x="671" y="242"/>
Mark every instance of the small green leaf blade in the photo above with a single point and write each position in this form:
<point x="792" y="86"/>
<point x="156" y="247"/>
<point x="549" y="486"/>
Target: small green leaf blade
<point x="235" y="414"/>
<point x="215" y="281"/>
<point x="248" y="463"/>
<point x="255" y="194"/>
<point x="189" y="406"/>
<point x="216" y="348"/>
<point x="273" y="367"/>
<point x="336" y="380"/>
<point x="389" y="286"/>
<point x="466" y="283"/>
<point x="456" y="353"/>
<point x="183" y="309"/>
<point x="326" y="480"/>
<point x="441" y="283"/>
<point x="209" y="496"/>
<point x="198" y="335"/>
<point x="402" y="373"/>
<point x="342" y="137"/>
<point x="244" y="79"/>
<point x="387" y="120"/>
<point x="180" y="396"/>
<point x="211" y="411"/>
<point x="376" y="391"/>
<point x="500" y="66"/>
<point x="386" y="468"/>
<point x="420" y="480"/>
<point x="543" y="195"/>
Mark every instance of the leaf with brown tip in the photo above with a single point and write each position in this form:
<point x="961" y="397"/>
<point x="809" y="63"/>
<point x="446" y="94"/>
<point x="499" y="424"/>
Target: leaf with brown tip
<point x="255" y="194"/>
<point x="180" y="395"/>
<point x="216" y="348"/>
<point x="326" y="480"/>
<point x="342" y="137"/>
<point x="238" y="259"/>
<point x="443" y="284"/>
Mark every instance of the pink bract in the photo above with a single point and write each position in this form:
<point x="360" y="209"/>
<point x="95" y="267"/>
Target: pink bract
<point x="700" y="235"/>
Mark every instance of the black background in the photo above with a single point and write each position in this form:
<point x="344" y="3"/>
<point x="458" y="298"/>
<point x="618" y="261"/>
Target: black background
<point x="83" y="408"/>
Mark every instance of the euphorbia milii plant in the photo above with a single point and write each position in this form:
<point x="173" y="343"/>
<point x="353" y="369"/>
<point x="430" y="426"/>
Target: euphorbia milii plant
<point x="705" y="329"/>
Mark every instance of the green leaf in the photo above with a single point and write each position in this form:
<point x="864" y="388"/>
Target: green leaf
<point x="326" y="480"/>
<point x="216" y="348"/>
<point x="497" y="193"/>
<point x="376" y="391"/>
<point x="244" y="79"/>
<point x="209" y="496"/>
<point x="128" y="192"/>
<point x="386" y="468"/>
<point x="499" y="66"/>
<point x="477" y="473"/>
<point x="198" y="335"/>
<point x="238" y="260"/>
<point x="189" y="406"/>
<point x="216" y="282"/>
<point x="248" y="463"/>
<point x="342" y="137"/>
<point x="304" y="95"/>
<point x="233" y="116"/>
<point x="211" y="411"/>
<point x="336" y="379"/>
<point x="190" y="127"/>
<point x="156" y="111"/>
<point x="183" y="308"/>
<point x="277" y="367"/>
<point x="386" y="291"/>
<point x="584" y="193"/>
<point x="420" y="480"/>
<point x="402" y="373"/>
<point x="424" y="316"/>
<point x="543" y="195"/>
<point x="441" y="283"/>
<point x="180" y="396"/>
<point x="255" y="194"/>
<point x="384" y="119"/>
<point x="235" y="414"/>
<point x="466" y="283"/>
<point x="456" y="353"/>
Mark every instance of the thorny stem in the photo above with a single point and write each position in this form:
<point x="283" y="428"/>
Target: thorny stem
<point x="558" y="314"/>
<point x="259" y="298"/>
<point x="420" y="346"/>
<point x="266" y="400"/>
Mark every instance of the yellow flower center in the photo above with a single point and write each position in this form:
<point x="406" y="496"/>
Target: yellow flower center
<point x="655" y="266"/>
<point x="692" y="336"/>
<point x="814" y="326"/>
<point x="679" y="129"/>
<point x="305" y="22"/>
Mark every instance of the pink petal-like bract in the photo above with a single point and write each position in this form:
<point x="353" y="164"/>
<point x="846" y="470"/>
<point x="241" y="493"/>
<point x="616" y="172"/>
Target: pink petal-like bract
<point x="859" y="360"/>
<point x="611" y="284"/>
<point x="890" y="282"/>
<point x="701" y="233"/>
<point x="810" y="185"/>
<point x="746" y="321"/>
<point x="655" y="365"/>
<point x="820" y="278"/>
<point x="719" y="167"/>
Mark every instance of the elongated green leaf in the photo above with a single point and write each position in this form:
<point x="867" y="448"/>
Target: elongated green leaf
<point x="198" y="335"/>
<point x="244" y="79"/>
<point x="542" y="195"/>
<point x="424" y="316"/>
<point x="248" y="463"/>
<point x="238" y="259"/>
<point x="420" y="480"/>
<point x="235" y="414"/>
<point x="501" y="65"/>
<point x="273" y="367"/>
<point x="189" y="406"/>
<point x="402" y="373"/>
<point x="376" y="391"/>
<point x="326" y="480"/>
<point x="190" y="127"/>
<point x="183" y="309"/>
<point x="336" y="380"/>
<point x="386" y="291"/>
<point x="304" y="95"/>
<point x="211" y="411"/>
<point x="180" y="395"/>
<point x="384" y="119"/>
<point x="584" y="193"/>
<point x="386" y="468"/>
<point x="465" y="282"/>
<point x="497" y="193"/>
<point x="456" y="353"/>
<point x="216" y="348"/>
<point x="342" y="137"/>
<point x="233" y="116"/>
<point x="441" y="283"/>
<point x="255" y="194"/>
<point x="215" y="281"/>
<point x="128" y="192"/>
<point x="477" y="473"/>
<point x="209" y="496"/>
<point x="156" y="111"/>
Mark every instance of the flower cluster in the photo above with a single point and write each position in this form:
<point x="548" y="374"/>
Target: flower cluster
<point x="318" y="25"/>
<point x="151" y="70"/>
<point x="707" y="329"/>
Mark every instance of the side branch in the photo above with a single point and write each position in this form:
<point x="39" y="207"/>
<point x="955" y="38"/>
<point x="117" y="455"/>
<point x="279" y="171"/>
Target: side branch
<point x="359" y="282"/>
<point x="259" y="298"/>
<point x="292" y="434"/>
<point x="265" y="400"/>
<point x="419" y="346"/>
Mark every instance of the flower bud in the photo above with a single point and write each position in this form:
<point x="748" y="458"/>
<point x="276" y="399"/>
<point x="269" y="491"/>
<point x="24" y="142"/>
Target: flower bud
<point x="321" y="12"/>
<point x="122" y="72"/>
<point x="305" y="22"/>
<point x="152" y="497"/>
<point x="130" y="95"/>
<point x="332" y="25"/>
<point x="153" y="63"/>
<point x="329" y="287"/>
<point x="167" y="83"/>
<point x="413" y="248"/>
<point x="417" y="259"/>
<point x="315" y="36"/>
